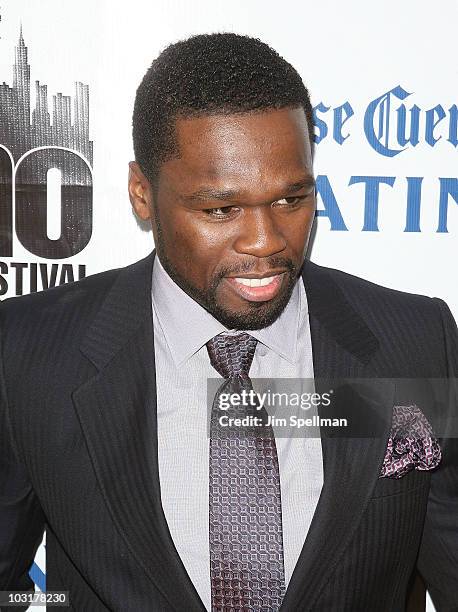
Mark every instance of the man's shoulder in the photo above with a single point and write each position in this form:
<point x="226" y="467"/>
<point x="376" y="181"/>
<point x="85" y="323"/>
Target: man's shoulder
<point x="70" y="296"/>
<point x="407" y="325"/>
<point x="78" y="301"/>
<point x="360" y="291"/>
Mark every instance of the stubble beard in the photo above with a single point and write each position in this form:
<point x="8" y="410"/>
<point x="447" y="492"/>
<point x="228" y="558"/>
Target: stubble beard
<point x="257" y="315"/>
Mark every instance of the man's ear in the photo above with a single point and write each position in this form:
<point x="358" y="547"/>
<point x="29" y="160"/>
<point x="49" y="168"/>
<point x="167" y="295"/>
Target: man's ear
<point x="140" y="192"/>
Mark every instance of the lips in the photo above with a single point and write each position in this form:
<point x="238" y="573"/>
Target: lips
<point x="256" y="289"/>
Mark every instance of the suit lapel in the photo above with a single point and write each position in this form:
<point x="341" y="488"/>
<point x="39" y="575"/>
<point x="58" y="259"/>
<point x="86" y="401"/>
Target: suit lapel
<point x="117" y="412"/>
<point x="343" y="347"/>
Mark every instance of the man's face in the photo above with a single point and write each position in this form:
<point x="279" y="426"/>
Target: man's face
<point x="232" y="214"/>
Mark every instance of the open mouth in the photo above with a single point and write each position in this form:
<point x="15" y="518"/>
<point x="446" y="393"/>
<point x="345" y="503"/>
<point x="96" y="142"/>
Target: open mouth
<point x="257" y="289"/>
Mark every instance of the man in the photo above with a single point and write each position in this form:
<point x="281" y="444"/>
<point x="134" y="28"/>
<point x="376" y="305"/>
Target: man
<point x="104" y="382"/>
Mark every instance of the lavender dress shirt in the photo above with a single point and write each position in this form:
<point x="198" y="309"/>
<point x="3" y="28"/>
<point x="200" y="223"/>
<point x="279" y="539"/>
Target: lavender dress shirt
<point x="284" y="350"/>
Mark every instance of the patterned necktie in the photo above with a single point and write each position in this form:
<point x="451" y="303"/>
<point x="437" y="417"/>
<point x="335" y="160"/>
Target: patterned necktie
<point x="246" y="539"/>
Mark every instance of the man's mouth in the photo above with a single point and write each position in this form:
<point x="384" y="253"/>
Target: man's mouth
<point x="256" y="288"/>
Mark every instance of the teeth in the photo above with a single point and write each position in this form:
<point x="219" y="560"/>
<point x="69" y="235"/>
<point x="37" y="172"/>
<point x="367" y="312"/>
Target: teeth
<point x="255" y="282"/>
<point x="244" y="281"/>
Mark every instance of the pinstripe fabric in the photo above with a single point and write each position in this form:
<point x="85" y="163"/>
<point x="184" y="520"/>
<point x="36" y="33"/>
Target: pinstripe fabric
<point x="79" y="452"/>
<point x="356" y="567"/>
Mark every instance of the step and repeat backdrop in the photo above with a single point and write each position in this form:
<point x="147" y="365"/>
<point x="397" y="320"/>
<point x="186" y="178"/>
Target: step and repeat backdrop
<point x="383" y="82"/>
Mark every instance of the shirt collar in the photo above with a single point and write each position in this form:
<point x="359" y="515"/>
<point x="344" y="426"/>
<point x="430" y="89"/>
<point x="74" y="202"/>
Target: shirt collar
<point x="187" y="326"/>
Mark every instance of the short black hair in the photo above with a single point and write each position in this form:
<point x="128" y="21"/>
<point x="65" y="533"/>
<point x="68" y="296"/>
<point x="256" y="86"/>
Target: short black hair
<point x="220" y="73"/>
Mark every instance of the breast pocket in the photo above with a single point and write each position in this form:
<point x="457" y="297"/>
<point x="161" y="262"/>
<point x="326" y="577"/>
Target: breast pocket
<point x="413" y="480"/>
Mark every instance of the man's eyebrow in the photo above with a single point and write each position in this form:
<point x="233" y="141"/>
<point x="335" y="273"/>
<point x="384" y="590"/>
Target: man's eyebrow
<point x="308" y="181"/>
<point x="210" y="193"/>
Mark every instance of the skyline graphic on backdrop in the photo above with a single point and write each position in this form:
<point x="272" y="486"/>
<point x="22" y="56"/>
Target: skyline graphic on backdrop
<point x="35" y="140"/>
<point x="23" y="129"/>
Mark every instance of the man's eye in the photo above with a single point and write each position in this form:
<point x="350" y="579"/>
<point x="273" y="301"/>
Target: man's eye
<point x="221" y="212"/>
<point x="292" y="201"/>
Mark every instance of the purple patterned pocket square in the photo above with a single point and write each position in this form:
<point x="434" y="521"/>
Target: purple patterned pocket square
<point x="411" y="444"/>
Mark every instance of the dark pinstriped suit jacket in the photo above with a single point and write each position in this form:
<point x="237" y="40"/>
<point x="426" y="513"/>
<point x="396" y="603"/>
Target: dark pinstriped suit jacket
<point x="79" y="451"/>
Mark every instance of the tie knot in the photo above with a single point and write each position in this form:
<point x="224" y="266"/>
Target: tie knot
<point x="231" y="355"/>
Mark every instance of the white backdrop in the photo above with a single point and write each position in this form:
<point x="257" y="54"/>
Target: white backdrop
<point x="349" y="55"/>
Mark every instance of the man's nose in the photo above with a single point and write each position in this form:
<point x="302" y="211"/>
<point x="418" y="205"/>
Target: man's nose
<point x="259" y="235"/>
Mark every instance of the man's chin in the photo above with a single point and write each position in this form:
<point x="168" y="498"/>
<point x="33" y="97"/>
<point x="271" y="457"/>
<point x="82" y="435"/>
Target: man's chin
<point x="257" y="315"/>
<point x="251" y="315"/>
